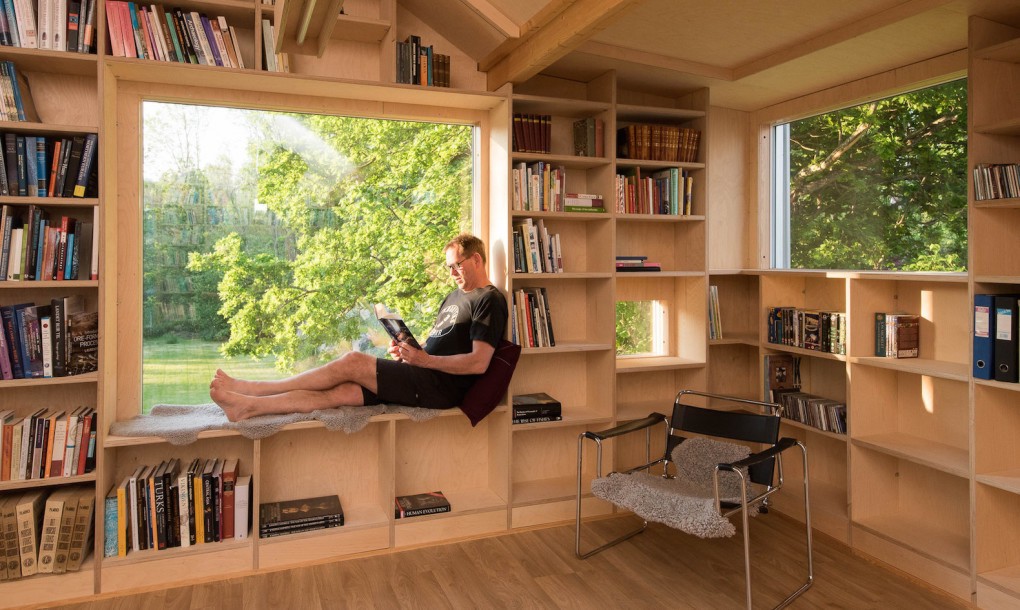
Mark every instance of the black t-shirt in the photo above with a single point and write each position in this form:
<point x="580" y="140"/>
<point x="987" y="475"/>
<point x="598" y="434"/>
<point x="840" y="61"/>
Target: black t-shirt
<point x="464" y="317"/>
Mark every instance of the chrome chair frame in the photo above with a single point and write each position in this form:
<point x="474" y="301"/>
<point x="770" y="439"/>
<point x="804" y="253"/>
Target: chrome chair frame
<point x="725" y="509"/>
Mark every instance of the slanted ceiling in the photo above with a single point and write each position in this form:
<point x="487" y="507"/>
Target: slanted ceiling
<point x="751" y="53"/>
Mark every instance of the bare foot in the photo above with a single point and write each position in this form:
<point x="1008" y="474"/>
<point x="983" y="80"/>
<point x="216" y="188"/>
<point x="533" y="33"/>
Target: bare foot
<point x="236" y="406"/>
<point x="225" y="382"/>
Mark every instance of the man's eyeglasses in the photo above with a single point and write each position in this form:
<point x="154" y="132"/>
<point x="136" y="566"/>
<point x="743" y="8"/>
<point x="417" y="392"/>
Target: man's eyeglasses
<point x="457" y="266"/>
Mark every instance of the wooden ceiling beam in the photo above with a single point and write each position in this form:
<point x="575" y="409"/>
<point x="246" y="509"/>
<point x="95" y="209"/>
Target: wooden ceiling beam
<point x="494" y="17"/>
<point x="548" y="36"/>
<point x="655" y="60"/>
<point x="860" y="27"/>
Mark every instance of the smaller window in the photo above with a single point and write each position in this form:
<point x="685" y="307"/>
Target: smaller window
<point x="640" y="328"/>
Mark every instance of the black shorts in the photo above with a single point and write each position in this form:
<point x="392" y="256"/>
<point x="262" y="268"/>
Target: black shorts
<point x="412" y="386"/>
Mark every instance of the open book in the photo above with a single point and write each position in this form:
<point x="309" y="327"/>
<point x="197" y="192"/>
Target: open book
<point x="395" y="326"/>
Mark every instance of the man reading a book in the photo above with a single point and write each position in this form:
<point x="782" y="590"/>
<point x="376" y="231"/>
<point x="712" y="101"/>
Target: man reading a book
<point x="470" y="324"/>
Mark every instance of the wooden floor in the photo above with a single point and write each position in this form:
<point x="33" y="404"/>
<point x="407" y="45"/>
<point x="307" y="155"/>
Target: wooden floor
<point x="537" y="569"/>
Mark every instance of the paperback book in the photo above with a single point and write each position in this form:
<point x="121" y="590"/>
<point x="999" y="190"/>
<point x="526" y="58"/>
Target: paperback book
<point x="395" y="326"/>
<point x="421" y="504"/>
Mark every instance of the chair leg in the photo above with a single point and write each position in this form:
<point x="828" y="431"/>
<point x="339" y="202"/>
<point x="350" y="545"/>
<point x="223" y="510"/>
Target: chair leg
<point x="577" y="518"/>
<point x="744" y="514"/>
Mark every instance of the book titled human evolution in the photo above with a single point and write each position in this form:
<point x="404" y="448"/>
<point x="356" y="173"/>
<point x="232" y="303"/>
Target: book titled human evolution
<point x="413" y="505"/>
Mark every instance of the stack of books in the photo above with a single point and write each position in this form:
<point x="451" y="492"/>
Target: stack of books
<point x="414" y="505"/>
<point x="535" y="249"/>
<point x="534" y="408"/>
<point x="172" y="34"/>
<point x="47" y="444"/>
<point x="538" y="187"/>
<point x="294" y="516"/>
<point x="531" y="324"/>
<point x="658" y="143"/>
<point x="714" y="314"/>
<point x="584" y="202"/>
<point x="897" y="335"/>
<point x="49" y="24"/>
<point x="633" y="264"/>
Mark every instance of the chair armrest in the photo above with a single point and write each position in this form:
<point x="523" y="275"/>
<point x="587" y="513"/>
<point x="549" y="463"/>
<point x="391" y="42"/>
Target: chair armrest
<point x="633" y="426"/>
<point x="761" y="456"/>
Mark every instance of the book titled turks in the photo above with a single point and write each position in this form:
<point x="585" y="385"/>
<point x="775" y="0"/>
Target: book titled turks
<point x="292" y="516"/>
<point x="536" y="407"/>
<point x="415" y="505"/>
<point x="395" y="326"/>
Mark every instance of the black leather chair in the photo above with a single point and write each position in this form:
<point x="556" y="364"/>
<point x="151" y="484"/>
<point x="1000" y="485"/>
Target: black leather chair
<point x="758" y="476"/>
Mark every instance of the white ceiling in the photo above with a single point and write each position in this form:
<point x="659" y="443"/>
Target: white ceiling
<point x="752" y="53"/>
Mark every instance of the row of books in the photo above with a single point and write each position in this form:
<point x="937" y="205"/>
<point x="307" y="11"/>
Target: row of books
<point x="47" y="444"/>
<point x="171" y="34"/>
<point x="418" y="64"/>
<point x="535" y="249"/>
<point x="35" y="247"/>
<point x="635" y="263"/>
<point x="823" y="413"/>
<point x="654" y="142"/>
<point x="59" y="339"/>
<point x="173" y="504"/>
<point x="897" y="335"/>
<point x="667" y="192"/>
<point x="272" y="61"/>
<point x="539" y="187"/>
<point x="535" y="408"/>
<point x="15" y="95"/>
<point x="532" y="133"/>
<point x="45" y="166"/>
<point x="996" y="331"/>
<point x="589" y="137"/>
<point x="996" y="181"/>
<point x="823" y="331"/>
<point x="64" y="25"/>
<point x="295" y="516"/>
<point x="714" y="314"/>
<point x="531" y="325"/>
<point x="46" y="532"/>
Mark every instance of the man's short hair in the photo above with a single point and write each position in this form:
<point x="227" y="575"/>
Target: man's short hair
<point x="468" y="245"/>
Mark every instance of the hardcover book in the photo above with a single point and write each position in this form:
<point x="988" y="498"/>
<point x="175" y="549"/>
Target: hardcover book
<point x="395" y="326"/>
<point x="421" y="504"/>
<point x="537" y="407"/>
<point x="288" y="515"/>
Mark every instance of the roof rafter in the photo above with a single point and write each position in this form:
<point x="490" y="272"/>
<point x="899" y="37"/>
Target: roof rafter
<point x="554" y="31"/>
<point x="494" y="17"/>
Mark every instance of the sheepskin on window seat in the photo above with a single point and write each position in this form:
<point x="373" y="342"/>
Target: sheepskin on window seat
<point x="181" y="424"/>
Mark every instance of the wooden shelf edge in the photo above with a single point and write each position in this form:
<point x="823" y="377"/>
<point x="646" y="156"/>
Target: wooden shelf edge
<point x="48" y="381"/>
<point x="952" y="371"/>
<point x="930" y="454"/>
<point x="149" y="555"/>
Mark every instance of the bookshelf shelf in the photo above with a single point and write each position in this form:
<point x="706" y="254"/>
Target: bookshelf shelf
<point x="634" y="112"/>
<point x="658" y="274"/>
<point x="51" y="62"/>
<point x="747" y="339"/>
<point x="997" y="279"/>
<point x="568" y="161"/>
<point x="360" y="29"/>
<point x="69" y="585"/>
<point x="49" y="381"/>
<point x="655" y="363"/>
<point x="47" y="482"/>
<point x="1008" y="51"/>
<point x="148" y="555"/>
<point x="813" y="430"/>
<point x="951" y="549"/>
<point x="46" y="129"/>
<point x="545" y="490"/>
<point x="51" y="202"/>
<point x="948" y="459"/>
<point x="1006" y="480"/>
<point x="1005" y="202"/>
<point x="572" y="216"/>
<point x="666" y="218"/>
<point x="803" y="352"/>
<point x="953" y="371"/>
<point x="1004" y="579"/>
<point x="647" y="163"/>
<point x="49" y="284"/>
<point x="566" y="347"/>
<point x="561" y="276"/>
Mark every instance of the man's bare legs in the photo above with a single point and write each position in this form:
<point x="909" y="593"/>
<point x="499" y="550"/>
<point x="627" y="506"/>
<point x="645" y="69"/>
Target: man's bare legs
<point x="334" y="384"/>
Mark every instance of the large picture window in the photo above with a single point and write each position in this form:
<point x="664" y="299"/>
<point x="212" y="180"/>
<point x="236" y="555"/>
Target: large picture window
<point x="879" y="186"/>
<point x="268" y="237"/>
